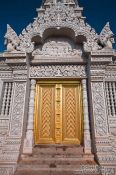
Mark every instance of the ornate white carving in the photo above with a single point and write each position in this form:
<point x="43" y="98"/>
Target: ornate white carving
<point x="25" y="41"/>
<point x="99" y="109"/>
<point x="110" y="74"/>
<point x="7" y="170"/>
<point x="87" y="140"/>
<point x="20" y="74"/>
<point x="2" y="141"/>
<point x="10" y="138"/>
<point x="60" y="47"/>
<point x="57" y="71"/>
<point x="26" y="46"/>
<point x="71" y="2"/>
<point x="18" y="109"/>
<point x="28" y="142"/>
<point x="4" y="125"/>
<point x="57" y="16"/>
<point x="11" y="39"/>
<point x="108" y="170"/>
<point x="107" y="158"/>
<point x="6" y="75"/>
<point x="107" y="36"/>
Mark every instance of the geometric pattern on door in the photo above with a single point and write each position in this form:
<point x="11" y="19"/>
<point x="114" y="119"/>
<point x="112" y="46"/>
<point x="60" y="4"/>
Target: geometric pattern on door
<point x="58" y="112"/>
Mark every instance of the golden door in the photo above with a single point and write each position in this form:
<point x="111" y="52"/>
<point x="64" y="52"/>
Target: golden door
<point x="58" y="112"/>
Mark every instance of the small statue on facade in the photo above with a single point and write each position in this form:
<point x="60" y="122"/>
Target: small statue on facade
<point x="106" y="37"/>
<point x="9" y="45"/>
<point x="11" y="39"/>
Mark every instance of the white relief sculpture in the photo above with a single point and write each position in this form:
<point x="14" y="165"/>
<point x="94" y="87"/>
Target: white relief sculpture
<point x="107" y="36"/>
<point x="11" y="39"/>
<point x="99" y="109"/>
<point x="61" y="47"/>
<point x="18" y="109"/>
<point x="58" y="16"/>
<point x="58" y="71"/>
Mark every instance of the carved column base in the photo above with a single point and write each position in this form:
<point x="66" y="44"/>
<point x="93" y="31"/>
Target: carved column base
<point x="28" y="143"/>
<point x="87" y="143"/>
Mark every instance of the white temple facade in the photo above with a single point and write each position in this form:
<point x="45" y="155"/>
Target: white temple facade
<point x="58" y="96"/>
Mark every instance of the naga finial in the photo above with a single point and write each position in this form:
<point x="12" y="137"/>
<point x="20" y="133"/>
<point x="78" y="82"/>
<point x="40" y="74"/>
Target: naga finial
<point x="106" y="37"/>
<point x="11" y="39"/>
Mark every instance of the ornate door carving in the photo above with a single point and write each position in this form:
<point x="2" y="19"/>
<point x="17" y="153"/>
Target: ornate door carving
<point x="71" y="123"/>
<point x="58" y="114"/>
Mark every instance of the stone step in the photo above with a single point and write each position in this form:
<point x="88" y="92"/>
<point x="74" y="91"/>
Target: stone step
<point x="44" y="156"/>
<point x="58" y="150"/>
<point x="56" y="171"/>
<point x="58" y="161"/>
<point x="55" y="165"/>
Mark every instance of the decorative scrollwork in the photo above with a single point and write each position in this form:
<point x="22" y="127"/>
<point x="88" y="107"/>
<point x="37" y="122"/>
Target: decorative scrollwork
<point x="57" y="71"/>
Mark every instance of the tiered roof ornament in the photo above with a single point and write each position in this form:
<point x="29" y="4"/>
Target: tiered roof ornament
<point x="59" y="15"/>
<point x="69" y="2"/>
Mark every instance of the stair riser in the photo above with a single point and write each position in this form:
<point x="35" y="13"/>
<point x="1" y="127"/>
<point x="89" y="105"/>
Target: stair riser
<point x="58" y="150"/>
<point x="57" y="162"/>
<point x="55" y="172"/>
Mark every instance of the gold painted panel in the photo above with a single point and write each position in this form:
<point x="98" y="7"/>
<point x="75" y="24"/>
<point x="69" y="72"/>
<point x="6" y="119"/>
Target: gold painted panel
<point x="45" y="112"/>
<point x="58" y="113"/>
<point x="71" y="113"/>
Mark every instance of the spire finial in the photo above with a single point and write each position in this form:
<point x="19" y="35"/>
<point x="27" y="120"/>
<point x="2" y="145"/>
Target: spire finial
<point x="44" y="2"/>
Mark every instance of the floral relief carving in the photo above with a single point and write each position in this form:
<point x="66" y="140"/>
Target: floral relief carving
<point x="18" y="109"/>
<point x="57" y="71"/>
<point x="99" y="109"/>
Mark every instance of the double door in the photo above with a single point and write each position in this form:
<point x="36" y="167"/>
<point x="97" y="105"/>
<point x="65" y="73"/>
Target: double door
<point x="58" y="112"/>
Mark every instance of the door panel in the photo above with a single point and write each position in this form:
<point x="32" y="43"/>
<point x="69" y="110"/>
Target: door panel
<point x="45" y="111"/>
<point x="71" y="114"/>
<point x="58" y="113"/>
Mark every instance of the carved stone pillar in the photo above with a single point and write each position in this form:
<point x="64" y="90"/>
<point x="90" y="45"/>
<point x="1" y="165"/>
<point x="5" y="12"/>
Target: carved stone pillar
<point x="87" y="139"/>
<point x="1" y="85"/>
<point x="28" y="142"/>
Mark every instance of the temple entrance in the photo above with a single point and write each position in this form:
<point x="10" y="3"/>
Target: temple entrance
<point x="58" y="112"/>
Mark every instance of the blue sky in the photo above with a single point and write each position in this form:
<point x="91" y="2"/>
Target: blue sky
<point x="20" y="13"/>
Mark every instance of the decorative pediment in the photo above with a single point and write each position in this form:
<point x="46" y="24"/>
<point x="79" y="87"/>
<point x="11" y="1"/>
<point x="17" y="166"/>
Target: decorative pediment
<point x="60" y="16"/>
<point x="58" y="47"/>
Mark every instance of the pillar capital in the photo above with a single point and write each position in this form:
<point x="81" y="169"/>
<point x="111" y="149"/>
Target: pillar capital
<point x="33" y="82"/>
